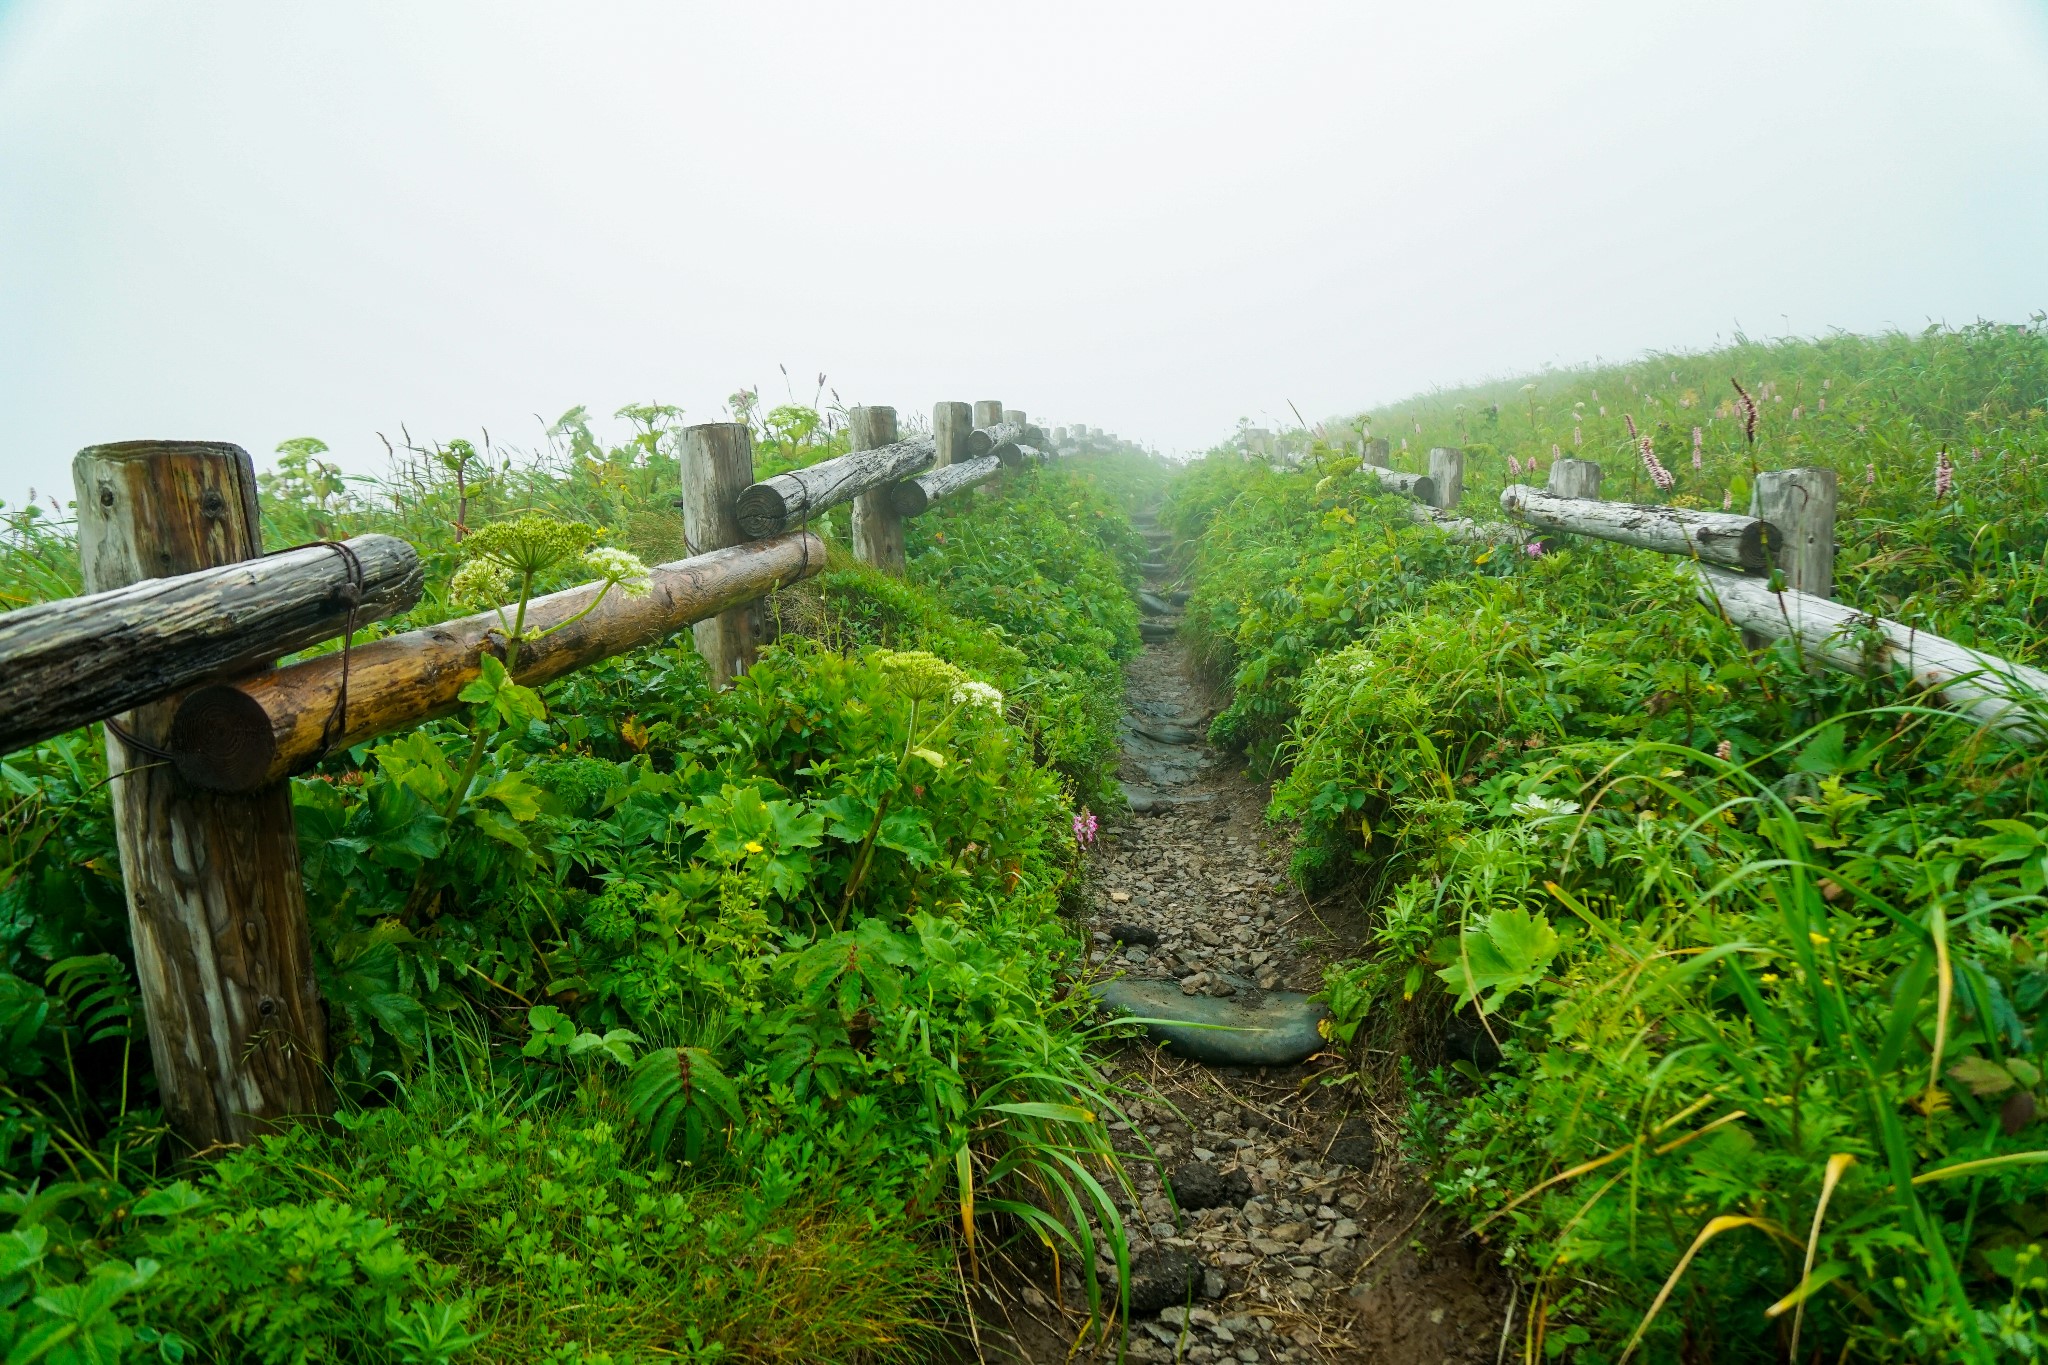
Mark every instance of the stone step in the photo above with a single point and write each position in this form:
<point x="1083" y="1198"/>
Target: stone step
<point x="1279" y="1029"/>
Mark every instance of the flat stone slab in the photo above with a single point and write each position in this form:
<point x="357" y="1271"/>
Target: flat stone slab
<point x="1157" y="632"/>
<point x="1278" y="1031"/>
<point x="1144" y="800"/>
<point x="1179" y="736"/>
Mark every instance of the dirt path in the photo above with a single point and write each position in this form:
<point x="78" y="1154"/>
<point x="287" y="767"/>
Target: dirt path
<point x="1299" y="1235"/>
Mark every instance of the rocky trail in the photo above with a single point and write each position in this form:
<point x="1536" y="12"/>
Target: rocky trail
<point x="1275" y="1223"/>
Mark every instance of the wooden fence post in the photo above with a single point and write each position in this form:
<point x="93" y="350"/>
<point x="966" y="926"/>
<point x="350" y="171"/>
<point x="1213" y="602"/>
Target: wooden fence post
<point x="877" y="528"/>
<point x="1801" y="504"/>
<point x="1571" y="478"/>
<point x="951" y="423"/>
<point x="718" y="463"/>
<point x="1447" y="468"/>
<point x="1014" y="416"/>
<point x="988" y="412"/>
<point x="1378" y="451"/>
<point x="216" y="905"/>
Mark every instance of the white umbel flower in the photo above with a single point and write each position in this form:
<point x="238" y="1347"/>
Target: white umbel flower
<point x="619" y="567"/>
<point x="1544" y="807"/>
<point x="480" y="583"/>
<point x="978" y="694"/>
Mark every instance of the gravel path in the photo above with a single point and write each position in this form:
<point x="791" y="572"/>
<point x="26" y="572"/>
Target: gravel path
<point x="1298" y="1236"/>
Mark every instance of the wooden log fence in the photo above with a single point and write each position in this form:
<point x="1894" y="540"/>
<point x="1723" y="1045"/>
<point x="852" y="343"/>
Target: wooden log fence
<point x="175" y="642"/>
<point x="1770" y="575"/>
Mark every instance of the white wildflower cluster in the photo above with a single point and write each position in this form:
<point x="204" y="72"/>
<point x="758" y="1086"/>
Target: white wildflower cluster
<point x="480" y="583"/>
<point x="1544" y="807"/>
<point x="971" y="693"/>
<point x="620" y="567"/>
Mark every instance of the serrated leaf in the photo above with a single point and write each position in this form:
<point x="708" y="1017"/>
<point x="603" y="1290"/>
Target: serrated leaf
<point x="1982" y="1076"/>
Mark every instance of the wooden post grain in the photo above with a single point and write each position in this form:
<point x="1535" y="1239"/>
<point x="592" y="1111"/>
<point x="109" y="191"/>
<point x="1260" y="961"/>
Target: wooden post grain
<point x="953" y="426"/>
<point x="718" y="465"/>
<point x="988" y="412"/>
<point x="1570" y="478"/>
<point x="877" y="527"/>
<point x="1801" y="504"/>
<point x="1447" y="470"/>
<point x="1378" y="451"/>
<point x="1014" y="416"/>
<point x="216" y="906"/>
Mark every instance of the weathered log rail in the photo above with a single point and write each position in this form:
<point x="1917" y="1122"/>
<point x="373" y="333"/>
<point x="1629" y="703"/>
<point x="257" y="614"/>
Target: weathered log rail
<point x="1771" y="579"/>
<point x="2005" y="696"/>
<point x="1722" y="538"/>
<point x="243" y="735"/>
<point x="71" y="662"/>
<point x="210" y="729"/>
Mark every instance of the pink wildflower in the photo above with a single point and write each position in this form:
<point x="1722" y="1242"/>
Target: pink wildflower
<point x="1724" y="751"/>
<point x="1798" y="412"/>
<point x="1514" y="466"/>
<point x="1727" y="500"/>
<point x="1577" y="440"/>
<point x="1976" y="453"/>
<point x="1697" y="437"/>
<point x="1870" y="474"/>
<point x="1820" y="405"/>
<point x="1085" y="827"/>
<point x="1748" y="411"/>
<point x="1556" y="452"/>
<point x="1629" y="418"/>
<point x="1659" y="475"/>
<point x="1534" y="549"/>
<point x="1944" y="475"/>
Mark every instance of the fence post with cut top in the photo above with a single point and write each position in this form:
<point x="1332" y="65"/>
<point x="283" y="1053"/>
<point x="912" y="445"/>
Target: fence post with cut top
<point x="877" y="526"/>
<point x="1801" y="504"/>
<point x="718" y="464"/>
<point x="216" y="904"/>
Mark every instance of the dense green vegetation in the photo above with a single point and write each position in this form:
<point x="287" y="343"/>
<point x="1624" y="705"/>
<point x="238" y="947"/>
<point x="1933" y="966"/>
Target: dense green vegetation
<point x="667" y="1023"/>
<point x="1749" y="957"/>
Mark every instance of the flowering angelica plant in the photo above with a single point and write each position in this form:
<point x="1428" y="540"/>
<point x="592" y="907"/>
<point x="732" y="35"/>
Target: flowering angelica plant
<point x="504" y="559"/>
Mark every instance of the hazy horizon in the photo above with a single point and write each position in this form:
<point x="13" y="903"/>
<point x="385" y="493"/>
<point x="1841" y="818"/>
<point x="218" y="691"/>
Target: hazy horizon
<point x="246" y="223"/>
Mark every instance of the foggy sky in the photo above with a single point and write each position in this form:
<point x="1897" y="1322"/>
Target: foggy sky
<point x="254" y="221"/>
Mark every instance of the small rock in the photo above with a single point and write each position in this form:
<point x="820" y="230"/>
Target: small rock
<point x="1159" y="1278"/>
<point x="1192" y="985"/>
<point x="1137" y="934"/>
<point x="1199" y="1185"/>
<point x="1161" y="1230"/>
<point x="1343" y="1230"/>
<point x="1269" y="980"/>
<point x="1120" y="897"/>
<point x="1174" y="1315"/>
<point x="1214" y="1285"/>
<point x="1288" y="1232"/>
<point x="1220" y="986"/>
<point x="1032" y="1298"/>
<point x="1204" y="1154"/>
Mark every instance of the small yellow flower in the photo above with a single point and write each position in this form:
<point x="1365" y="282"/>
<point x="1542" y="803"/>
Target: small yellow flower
<point x="753" y="846"/>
